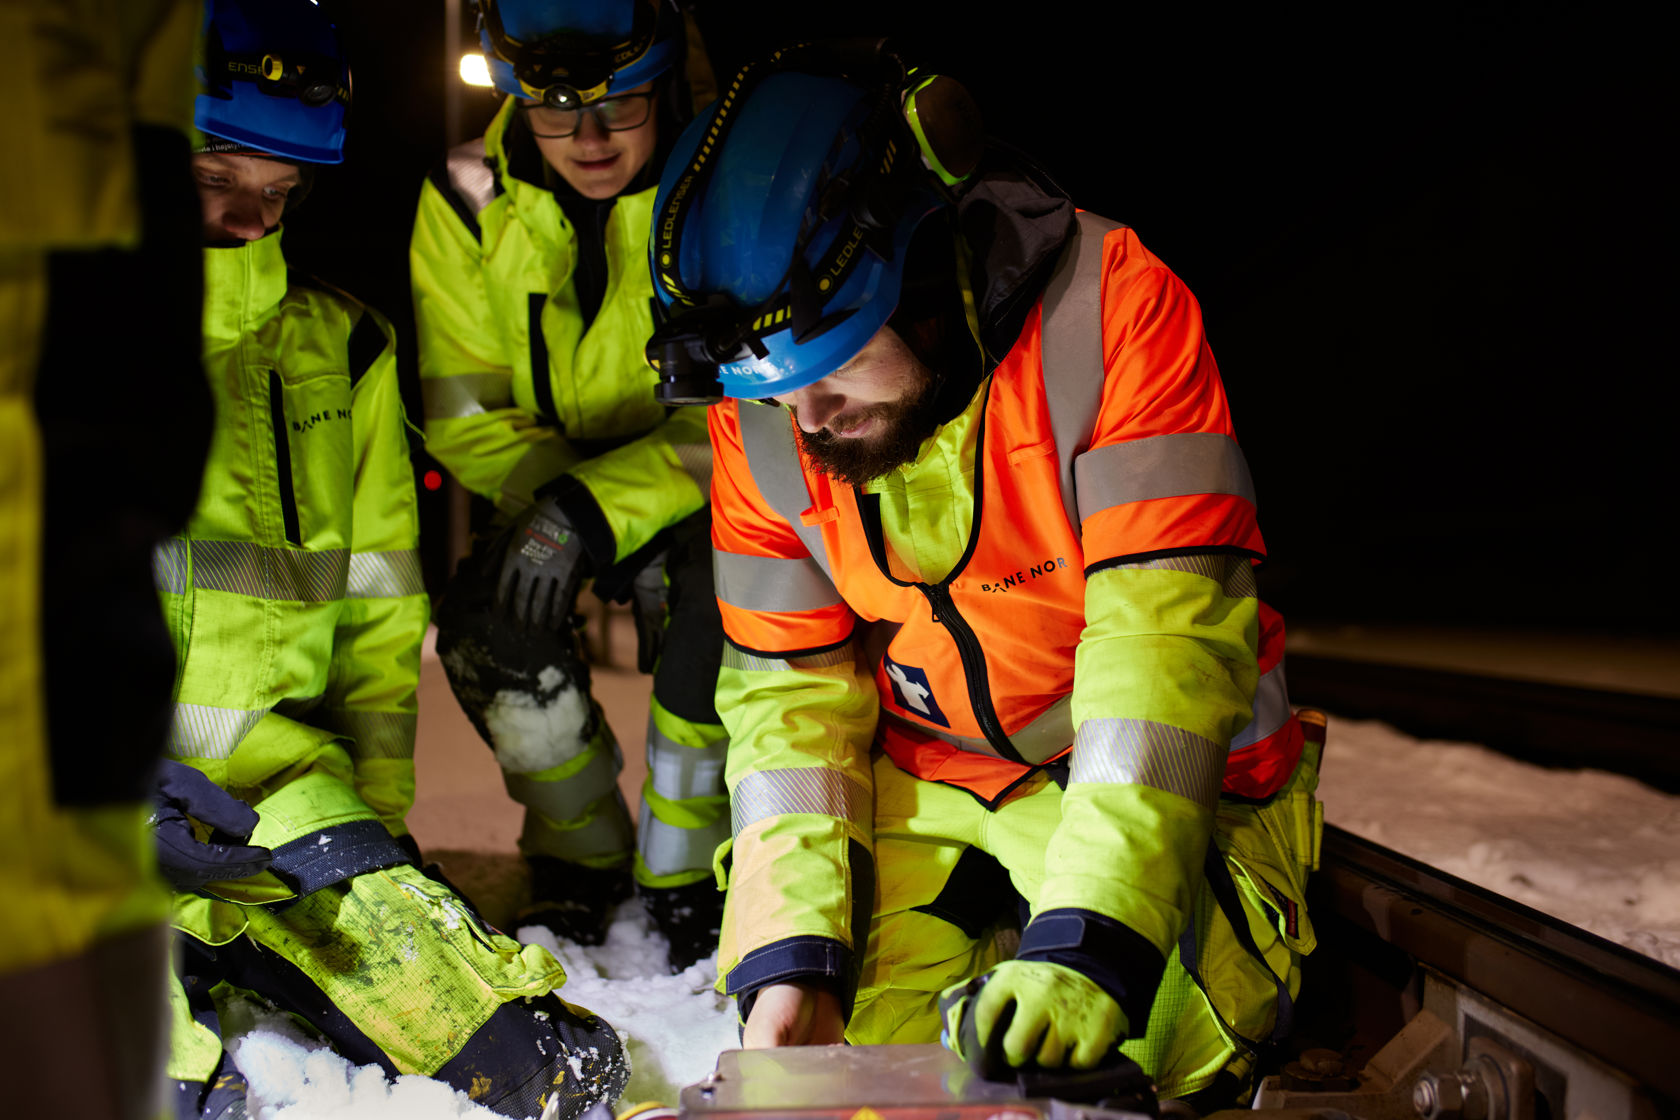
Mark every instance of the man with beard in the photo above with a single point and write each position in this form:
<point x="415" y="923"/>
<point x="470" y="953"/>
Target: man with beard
<point x="995" y="660"/>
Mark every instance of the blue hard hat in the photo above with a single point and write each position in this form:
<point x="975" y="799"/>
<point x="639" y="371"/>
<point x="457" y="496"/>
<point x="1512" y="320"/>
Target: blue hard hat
<point x="275" y="79"/>
<point x="570" y="52"/>
<point x="786" y="256"/>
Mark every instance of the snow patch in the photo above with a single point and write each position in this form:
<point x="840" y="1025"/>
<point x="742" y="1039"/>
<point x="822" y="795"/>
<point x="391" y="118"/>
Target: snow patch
<point x="532" y="734"/>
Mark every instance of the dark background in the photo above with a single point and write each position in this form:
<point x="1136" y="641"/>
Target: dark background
<point x="1432" y="248"/>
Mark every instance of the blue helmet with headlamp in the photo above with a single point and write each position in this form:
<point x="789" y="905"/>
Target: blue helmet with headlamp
<point x="569" y="53"/>
<point x="275" y="80"/>
<point x="784" y="216"/>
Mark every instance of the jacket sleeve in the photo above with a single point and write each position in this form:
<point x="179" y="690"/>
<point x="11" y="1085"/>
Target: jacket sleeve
<point x="801" y="715"/>
<point x="493" y="447"/>
<point x="375" y="672"/>
<point x="1166" y="669"/>
<point x="628" y="494"/>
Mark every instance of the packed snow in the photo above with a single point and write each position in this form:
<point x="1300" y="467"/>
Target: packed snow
<point x="1596" y="849"/>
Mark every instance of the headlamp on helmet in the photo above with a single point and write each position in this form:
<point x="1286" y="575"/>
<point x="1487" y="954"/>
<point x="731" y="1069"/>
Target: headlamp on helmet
<point x="571" y="53"/>
<point x="275" y="79"/>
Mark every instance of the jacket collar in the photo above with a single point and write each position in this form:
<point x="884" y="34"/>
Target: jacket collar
<point x="242" y="285"/>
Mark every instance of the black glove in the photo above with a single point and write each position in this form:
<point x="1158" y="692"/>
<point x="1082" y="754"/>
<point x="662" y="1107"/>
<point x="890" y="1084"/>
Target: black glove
<point x="184" y="860"/>
<point x="542" y="566"/>
<point x="649" y="606"/>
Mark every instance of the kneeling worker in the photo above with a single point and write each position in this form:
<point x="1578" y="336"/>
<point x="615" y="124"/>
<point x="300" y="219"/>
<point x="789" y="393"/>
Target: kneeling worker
<point x="296" y="605"/>
<point x="984" y="543"/>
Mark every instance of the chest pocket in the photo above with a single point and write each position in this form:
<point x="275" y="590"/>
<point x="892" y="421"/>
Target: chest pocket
<point x="314" y="456"/>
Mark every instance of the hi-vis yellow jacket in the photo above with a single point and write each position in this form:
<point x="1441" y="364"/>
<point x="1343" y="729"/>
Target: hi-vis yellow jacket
<point x="294" y="596"/>
<point x="517" y="393"/>
<point x="1019" y="592"/>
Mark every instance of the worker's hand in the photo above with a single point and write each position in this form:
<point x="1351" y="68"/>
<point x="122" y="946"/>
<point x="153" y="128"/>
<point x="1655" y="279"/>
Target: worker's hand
<point x="187" y="862"/>
<point x="794" y="1014"/>
<point x="542" y="566"/>
<point x="648" y="605"/>
<point x="1049" y="1015"/>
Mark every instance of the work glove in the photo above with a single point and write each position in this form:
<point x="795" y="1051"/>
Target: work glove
<point x="543" y="564"/>
<point x="185" y="795"/>
<point x="649" y="606"/>
<point x="1031" y="1013"/>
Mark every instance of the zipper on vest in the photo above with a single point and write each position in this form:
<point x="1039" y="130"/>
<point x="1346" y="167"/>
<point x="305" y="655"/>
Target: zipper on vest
<point x="283" y="458"/>
<point x="974" y="668"/>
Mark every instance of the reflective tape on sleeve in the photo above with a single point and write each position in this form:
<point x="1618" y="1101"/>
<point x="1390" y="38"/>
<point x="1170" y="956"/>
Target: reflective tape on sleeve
<point x="200" y="731"/>
<point x="805" y="789"/>
<point x="246" y="568"/>
<point x="376" y="734"/>
<point x="1161" y="467"/>
<point x="696" y="459"/>
<point x="465" y="394"/>
<point x="385" y="575"/>
<point x="680" y="772"/>
<point x="171" y="567"/>
<point x="734" y="657"/>
<point x="1271" y="708"/>
<point x="1143" y="752"/>
<point x="667" y="849"/>
<point x="1233" y="573"/>
<point x="771" y="583"/>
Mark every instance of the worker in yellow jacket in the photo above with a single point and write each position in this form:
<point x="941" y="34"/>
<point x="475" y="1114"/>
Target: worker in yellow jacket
<point x="532" y="304"/>
<point x="296" y="605"/>
<point x="1012" y="760"/>
<point x="104" y="422"/>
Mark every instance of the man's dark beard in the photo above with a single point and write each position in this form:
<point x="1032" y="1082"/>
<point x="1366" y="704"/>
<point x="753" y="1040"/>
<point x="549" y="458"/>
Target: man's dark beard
<point x="855" y="461"/>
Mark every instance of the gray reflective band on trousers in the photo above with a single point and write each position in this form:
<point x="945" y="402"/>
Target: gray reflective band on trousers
<point x="385" y="575"/>
<point x="1161" y="467"/>
<point x="465" y="394"/>
<point x="770" y="583"/>
<point x="570" y="797"/>
<point x="1042" y="738"/>
<point x="608" y="834"/>
<point x="373" y="734"/>
<point x="667" y="849"/>
<point x="245" y="568"/>
<point x="1271" y="708"/>
<point x="680" y="772"/>
<point x="1143" y="752"/>
<point x="734" y="657"/>
<point x="200" y="731"/>
<point x="804" y="789"/>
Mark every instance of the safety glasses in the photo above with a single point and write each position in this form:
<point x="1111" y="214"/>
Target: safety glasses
<point x="614" y="114"/>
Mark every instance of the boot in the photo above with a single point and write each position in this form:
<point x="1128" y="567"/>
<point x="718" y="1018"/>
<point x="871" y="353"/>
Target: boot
<point x="575" y="902"/>
<point x="690" y="917"/>
<point x="222" y="1097"/>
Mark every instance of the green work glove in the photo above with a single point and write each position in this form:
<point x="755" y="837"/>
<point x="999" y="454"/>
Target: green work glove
<point x="1049" y="1015"/>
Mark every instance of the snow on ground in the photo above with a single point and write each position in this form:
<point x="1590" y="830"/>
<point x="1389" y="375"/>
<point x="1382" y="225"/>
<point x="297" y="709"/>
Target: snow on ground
<point x="1598" y="850"/>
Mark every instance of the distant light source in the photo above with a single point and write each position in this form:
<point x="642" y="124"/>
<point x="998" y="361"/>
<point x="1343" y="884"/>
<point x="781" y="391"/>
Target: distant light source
<point x="432" y="480"/>
<point x="474" y="70"/>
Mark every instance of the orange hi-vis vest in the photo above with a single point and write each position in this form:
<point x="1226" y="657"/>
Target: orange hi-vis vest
<point x="975" y="673"/>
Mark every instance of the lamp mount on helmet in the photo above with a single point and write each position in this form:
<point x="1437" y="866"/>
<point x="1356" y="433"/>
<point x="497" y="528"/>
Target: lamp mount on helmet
<point x="541" y="57"/>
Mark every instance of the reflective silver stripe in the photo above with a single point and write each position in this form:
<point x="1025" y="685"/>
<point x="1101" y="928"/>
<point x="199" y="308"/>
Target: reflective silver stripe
<point x="540" y="465"/>
<point x="471" y="177"/>
<point x="696" y="459"/>
<point x="1072" y="348"/>
<point x="1161" y="467"/>
<point x="1042" y="738"/>
<point x="767" y="439"/>
<point x="770" y="583"/>
<point x="200" y="731"/>
<point x="566" y="799"/>
<point x="251" y="569"/>
<point x="465" y="394"/>
<point x="1142" y="752"/>
<point x="1271" y="708"/>
<point x="735" y="657"/>
<point x="805" y="789"/>
<point x="667" y="849"/>
<point x="680" y="772"/>
<point x="606" y="835"/>
<point x="1234" y="574"/>
<point x="170" y="568"/>
<point x="384" y="575"/>
<point x="376" y="734"/>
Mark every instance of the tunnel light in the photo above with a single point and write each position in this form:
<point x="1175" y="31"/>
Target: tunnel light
<point x="474" y="70"/>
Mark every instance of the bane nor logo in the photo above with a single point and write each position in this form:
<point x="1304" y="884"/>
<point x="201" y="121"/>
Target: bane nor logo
<point x="912" y="691"/>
